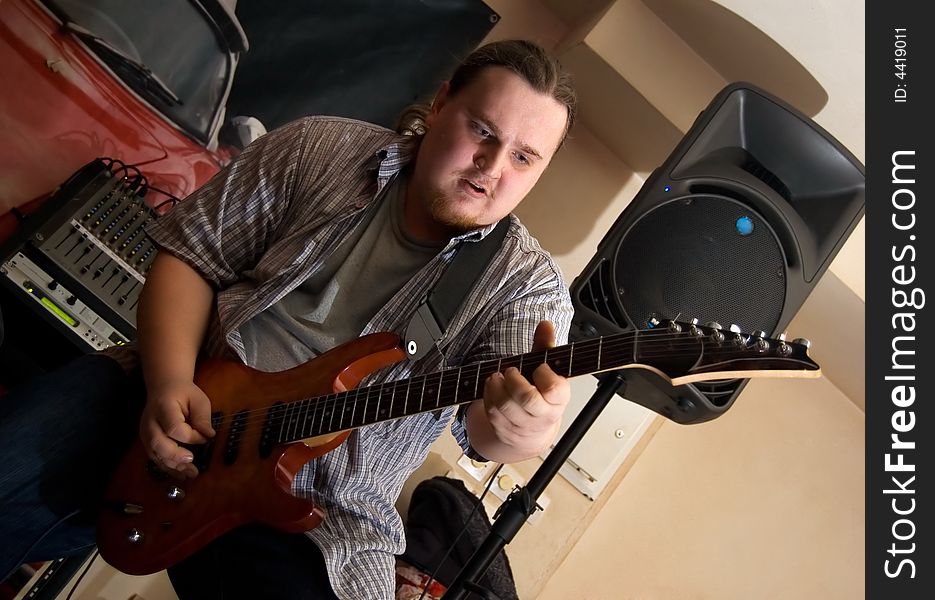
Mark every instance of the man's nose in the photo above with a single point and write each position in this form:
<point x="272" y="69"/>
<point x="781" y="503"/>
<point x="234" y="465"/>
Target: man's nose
<point x="490" y="162"/>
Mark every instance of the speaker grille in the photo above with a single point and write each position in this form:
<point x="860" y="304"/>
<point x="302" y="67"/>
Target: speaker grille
<point x="597" y="294"/>
<point x="705" y="256"/>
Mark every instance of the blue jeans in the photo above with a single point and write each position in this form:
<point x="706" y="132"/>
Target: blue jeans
<point x="61" y="437"/>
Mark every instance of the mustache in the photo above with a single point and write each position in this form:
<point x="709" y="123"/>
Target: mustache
<point x="478" y="178"/>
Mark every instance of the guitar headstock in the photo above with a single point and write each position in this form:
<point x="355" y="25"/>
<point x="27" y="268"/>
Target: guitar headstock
<point x="687" y="352"/>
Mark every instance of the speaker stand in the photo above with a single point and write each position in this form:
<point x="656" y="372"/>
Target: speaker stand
<point x="521" y="503"/>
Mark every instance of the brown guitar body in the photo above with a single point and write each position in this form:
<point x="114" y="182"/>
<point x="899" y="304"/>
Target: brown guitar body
<point x="151" y="521"/>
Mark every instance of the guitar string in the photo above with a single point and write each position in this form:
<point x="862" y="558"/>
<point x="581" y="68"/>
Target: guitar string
<point x="279" y="413"/>
<point x="613" y="354"/>
<point x="276" y="417"/>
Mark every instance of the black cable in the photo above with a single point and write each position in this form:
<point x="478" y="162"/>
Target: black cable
<point x="163" y="192"/>
<point x="467" y="520"/>
<point x="41" y="537"/>
<point x="87" y="568"/>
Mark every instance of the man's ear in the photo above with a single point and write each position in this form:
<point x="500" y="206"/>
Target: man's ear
<point x="441" y="98"/>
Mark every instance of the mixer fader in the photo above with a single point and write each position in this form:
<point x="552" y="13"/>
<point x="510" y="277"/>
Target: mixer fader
<point x="84" y="256"/>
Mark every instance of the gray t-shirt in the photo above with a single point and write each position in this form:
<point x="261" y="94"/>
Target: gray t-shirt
<point x="335" y="304"/>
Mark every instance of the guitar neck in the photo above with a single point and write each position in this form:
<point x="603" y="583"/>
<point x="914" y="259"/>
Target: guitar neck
<point x="424" y="393"/>
<point x="679" y="352"/>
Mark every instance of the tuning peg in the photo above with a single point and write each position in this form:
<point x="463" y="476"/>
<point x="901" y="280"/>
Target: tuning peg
<point x="713" y="325"/>
<point x="784" y="348"/>
<point x="694" y="328"/>
<point x="761" y="344"/>
<point x="653" y="322"/>
<point x="803" y="342"/>
<point x="739" y="338"/>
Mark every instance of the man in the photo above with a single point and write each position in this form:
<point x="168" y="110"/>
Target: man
<point x="321" y="231"/>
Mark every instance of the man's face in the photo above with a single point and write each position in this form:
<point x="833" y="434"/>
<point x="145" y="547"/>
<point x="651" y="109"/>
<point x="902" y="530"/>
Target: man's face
<point x="485" y="148"/>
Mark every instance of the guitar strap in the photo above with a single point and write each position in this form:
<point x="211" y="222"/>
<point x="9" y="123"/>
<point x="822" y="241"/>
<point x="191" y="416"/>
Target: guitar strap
<point x="430" y="321"/>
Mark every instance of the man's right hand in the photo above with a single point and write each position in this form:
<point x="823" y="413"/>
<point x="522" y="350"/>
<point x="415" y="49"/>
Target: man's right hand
<point x="175" y="412"/>
<point x="172" y="318"/>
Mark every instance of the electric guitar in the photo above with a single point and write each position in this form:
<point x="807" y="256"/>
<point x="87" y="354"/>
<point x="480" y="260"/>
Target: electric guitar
<point x="268" y="425"/>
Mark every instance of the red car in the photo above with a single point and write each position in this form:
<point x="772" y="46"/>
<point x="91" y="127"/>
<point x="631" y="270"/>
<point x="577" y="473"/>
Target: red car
<point x="143" y="82"/>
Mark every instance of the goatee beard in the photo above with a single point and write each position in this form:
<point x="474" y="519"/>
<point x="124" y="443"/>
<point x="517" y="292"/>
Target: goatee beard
<point x="440" y="208"/>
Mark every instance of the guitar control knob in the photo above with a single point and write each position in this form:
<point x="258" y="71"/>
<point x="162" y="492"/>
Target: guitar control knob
<point x="803" y="341"/>
<point x="135" y="536"/>
<point x="175" y="493"/>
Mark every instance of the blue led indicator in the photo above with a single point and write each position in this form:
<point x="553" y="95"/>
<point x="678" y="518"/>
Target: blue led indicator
<point x="666" y="189"/>
<point x="744" y="225"/>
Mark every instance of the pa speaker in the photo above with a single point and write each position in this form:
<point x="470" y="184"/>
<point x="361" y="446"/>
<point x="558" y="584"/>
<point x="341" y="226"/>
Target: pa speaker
<point x="735" y="227"/>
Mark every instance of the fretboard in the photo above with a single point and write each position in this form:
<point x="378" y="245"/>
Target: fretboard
<point x="424" y="393"/>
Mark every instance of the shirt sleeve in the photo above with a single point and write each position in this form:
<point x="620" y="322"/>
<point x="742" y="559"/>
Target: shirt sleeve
<point x="224" y="227"/>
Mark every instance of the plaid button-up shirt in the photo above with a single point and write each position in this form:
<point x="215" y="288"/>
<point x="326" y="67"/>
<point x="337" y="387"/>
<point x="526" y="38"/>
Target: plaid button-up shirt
<point x="278" y="211"/>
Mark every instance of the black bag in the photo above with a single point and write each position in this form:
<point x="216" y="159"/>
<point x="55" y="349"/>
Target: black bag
<point x="437" y="514"/>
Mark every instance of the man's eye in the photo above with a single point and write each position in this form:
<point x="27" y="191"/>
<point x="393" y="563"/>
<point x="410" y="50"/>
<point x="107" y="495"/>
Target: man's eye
<point x="522" y="158"/>
<point x="480" y="130"/>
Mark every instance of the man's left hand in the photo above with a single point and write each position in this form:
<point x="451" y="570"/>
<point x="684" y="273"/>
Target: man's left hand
<point x="524" y="415"/>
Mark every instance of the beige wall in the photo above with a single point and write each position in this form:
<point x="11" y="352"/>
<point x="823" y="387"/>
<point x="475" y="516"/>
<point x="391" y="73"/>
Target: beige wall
<point x="761" y="503"/>
<point x="767" y="501"/>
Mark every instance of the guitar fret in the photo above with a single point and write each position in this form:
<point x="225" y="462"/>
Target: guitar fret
<point x="600" y="345"/>
<point x="354" y="405"/>
<point x="310" y="430"/>
<point x="303" y="419"/>
<point x="438" y="396"/>
<point x="294" y="426"/>
<point x="296" y="420"/>
<point x="343" y="411"/>
<point x="282" y="423"/>
<point x="286" y="420"/>
<point x="422" y="393"/>
<point x="326" y="402"/>
<point x="290" y="420"/>
<point x="406" y="400"/>
<point x="320" y="406"/>
<point x="392" y="399"/>
<point x="369" y="417"/>
<point x="457" y="386"/>
<point x="571" y="357"/>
